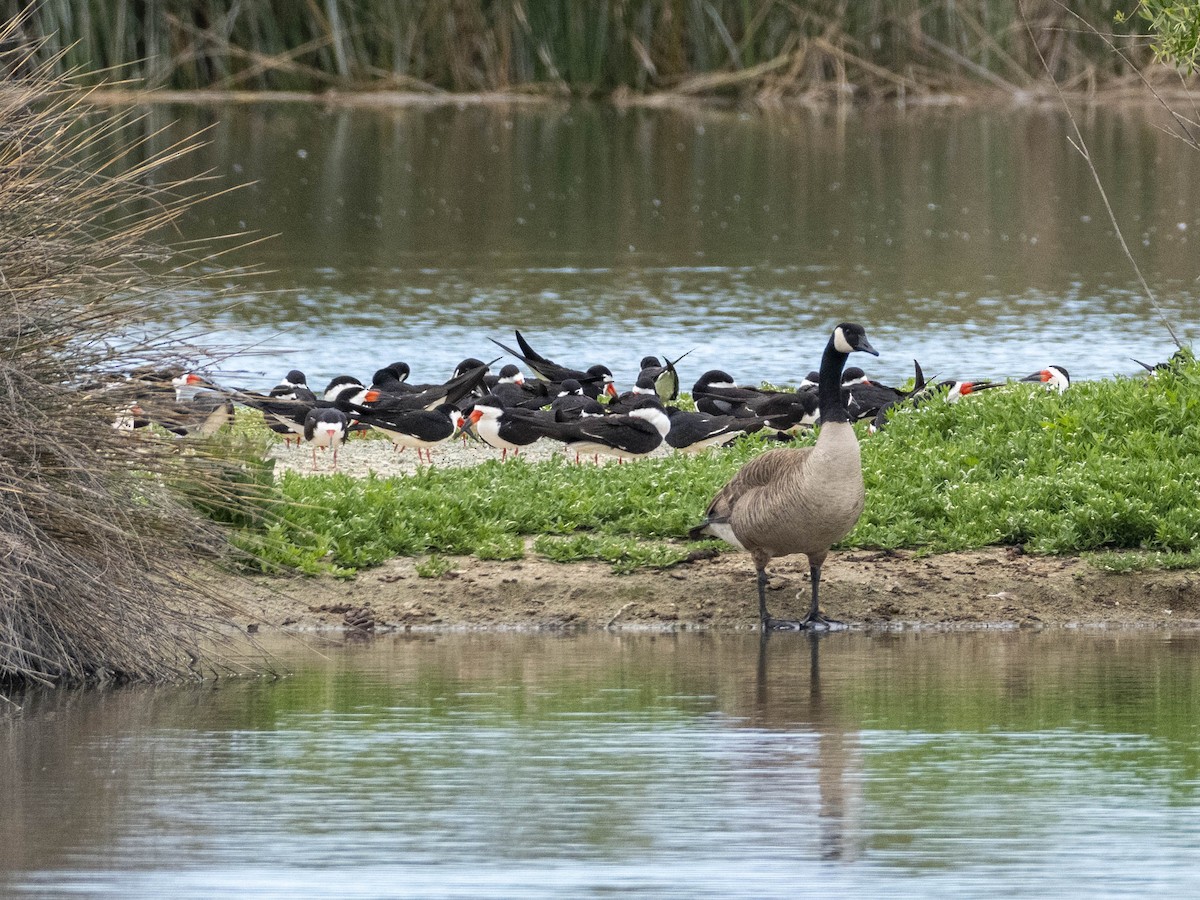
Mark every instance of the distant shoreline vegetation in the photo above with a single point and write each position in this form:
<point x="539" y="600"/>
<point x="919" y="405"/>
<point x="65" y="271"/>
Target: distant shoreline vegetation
<point x="760" y="50"/>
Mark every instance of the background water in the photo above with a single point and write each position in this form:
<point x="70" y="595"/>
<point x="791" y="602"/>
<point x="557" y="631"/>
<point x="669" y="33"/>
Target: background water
<point x="691" y="765"/>
<point x="974" y="240"/>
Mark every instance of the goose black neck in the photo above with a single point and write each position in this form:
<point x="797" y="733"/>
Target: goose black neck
<point x="829" y="386"/>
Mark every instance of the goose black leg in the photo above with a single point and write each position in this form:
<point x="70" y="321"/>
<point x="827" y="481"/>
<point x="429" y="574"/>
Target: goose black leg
<point x="764" y="618"/>
<point x="815" y="619"/>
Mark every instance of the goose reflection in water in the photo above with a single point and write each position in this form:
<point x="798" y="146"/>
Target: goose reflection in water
<point x="781" y="701"/>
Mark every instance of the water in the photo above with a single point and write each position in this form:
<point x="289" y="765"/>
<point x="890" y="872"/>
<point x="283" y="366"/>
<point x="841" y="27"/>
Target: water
<point x="691" y="765"/>
<point x="973" y="240"/>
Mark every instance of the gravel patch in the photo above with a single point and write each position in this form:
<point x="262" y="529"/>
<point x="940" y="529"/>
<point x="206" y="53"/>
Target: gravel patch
<point x="363" y="456"/>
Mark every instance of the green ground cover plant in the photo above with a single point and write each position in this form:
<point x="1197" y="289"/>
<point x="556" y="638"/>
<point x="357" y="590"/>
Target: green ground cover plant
<point x="1111" y="467"/>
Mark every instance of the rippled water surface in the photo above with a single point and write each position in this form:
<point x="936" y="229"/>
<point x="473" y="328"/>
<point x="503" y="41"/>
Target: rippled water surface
<point x="974" y="240"/>
<point x="953" y="765"/>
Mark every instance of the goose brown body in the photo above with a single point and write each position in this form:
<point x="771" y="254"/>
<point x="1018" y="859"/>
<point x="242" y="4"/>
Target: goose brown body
<point x="798" y="500"/>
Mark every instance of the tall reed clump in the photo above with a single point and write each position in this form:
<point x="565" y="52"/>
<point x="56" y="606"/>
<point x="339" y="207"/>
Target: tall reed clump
<point x="95" y="544"/>
<point x="765" y="49"/>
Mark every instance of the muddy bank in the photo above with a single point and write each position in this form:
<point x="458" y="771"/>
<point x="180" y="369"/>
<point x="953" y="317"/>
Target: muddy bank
<point x="995" y="587"/>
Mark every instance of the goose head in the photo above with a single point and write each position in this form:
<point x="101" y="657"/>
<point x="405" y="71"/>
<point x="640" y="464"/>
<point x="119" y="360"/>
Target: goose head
<point x="848" y="337"/>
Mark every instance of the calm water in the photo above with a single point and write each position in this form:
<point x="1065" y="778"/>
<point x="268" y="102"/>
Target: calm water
<point x="973" y="240"/>
<point x="959" y="765"/>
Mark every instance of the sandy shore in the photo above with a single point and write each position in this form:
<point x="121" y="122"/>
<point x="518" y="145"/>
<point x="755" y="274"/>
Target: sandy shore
<point x="989" y="588"/>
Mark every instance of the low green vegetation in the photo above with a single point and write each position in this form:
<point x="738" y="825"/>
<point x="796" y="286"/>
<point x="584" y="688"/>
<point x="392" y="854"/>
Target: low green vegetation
<point x="1110" y="467"/>
<point x="627" y="514"/>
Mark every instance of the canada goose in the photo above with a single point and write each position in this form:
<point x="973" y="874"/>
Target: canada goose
<point x="798" y="500"/>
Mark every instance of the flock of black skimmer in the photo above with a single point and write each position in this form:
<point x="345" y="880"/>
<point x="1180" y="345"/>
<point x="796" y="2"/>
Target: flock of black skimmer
<point x="579" y="407"/>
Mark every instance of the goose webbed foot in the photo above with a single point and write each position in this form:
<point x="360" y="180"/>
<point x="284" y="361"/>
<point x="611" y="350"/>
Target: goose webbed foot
<point x="819" y="621"/>
<point x="811" y="622"/>
<point x="771" y="624"/>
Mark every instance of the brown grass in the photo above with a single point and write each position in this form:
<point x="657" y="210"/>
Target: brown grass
<point x="95" y="544"/>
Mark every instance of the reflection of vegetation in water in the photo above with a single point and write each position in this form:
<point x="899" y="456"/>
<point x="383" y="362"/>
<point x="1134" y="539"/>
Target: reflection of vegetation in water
<point x="1110" y="465"/>
<point x="940" y="748"/>
<point x="762" y="48"/>
<point x="1011" y="726"/>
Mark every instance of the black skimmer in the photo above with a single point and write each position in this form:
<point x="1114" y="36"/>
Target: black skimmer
<point x="921" y="392"/>
<point x="506" y="429"/>
<point x="421" y="428"/>
<point x="692" y="432"/>
<point x="401" y="369"/>
<point x="802" y="499"/>
<point x="664" y="377"/>
<point x="787" y="411"/>
<point x="631" y="435"/>
<point x="390" y="380"/>
<point x="325" y="428"/>
<point x="571" y="403"/>
<point x="193" y="407"/>
<point x="959" y="389"/>
<point x="427" y="397"/>
<point x="716" y="393"/>
<point x="596" y="380"/>
<point x="344" y="389"/>
<point x="472" y="363"/>
<point x="865" y="398"/>
<point x="511" y="388"/>
<point x="346" y="392"/>
<point x="1178" y="358"/>
<point x="1055" y="377"/>
<point x="291" y="392"/>
<point x="644" y="387"/>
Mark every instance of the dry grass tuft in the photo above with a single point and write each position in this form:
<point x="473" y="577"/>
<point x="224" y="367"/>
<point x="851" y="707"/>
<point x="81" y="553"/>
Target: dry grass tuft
<point x="96" y="545"/>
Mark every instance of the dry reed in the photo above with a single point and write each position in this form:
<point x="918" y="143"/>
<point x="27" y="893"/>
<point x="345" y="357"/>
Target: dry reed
<point x="762" y="49"/>
<point x="96" y="543"/>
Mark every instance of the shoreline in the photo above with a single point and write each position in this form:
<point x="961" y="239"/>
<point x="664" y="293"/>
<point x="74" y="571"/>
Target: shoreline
<point x="1136" y="94"/>
<point x="998" y="588"/>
